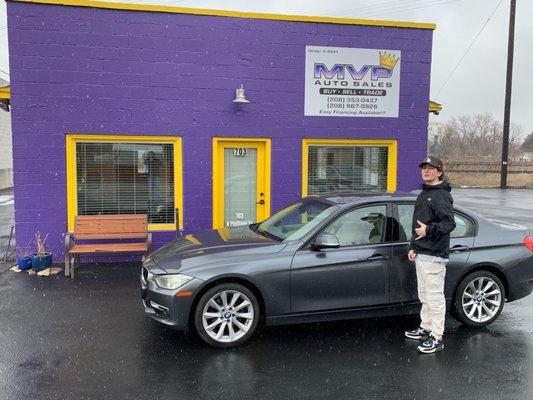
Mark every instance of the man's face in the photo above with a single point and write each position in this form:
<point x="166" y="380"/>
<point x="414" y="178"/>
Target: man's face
<point x="430" y="174"/>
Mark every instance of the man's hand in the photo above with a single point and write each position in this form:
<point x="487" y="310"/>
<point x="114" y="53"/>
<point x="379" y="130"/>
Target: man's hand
<point x="421" y="230"/>
<point x="411" y="255"/>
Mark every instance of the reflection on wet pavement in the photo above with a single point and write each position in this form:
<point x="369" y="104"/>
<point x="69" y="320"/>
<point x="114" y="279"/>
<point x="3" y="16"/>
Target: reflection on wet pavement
<point x="91" y="339"/>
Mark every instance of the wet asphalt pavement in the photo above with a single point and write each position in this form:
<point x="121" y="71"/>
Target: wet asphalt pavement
<point x="90" y="339"/>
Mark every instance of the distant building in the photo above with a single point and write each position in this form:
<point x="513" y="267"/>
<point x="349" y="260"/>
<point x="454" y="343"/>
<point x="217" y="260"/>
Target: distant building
<point x="6" y="146"/>
<point x="435" y="133"/>
<point x="526" y="156"/>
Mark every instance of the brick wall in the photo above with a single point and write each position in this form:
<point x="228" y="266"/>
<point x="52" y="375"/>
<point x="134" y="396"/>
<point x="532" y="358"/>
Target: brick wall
<point x="84" y="70"/>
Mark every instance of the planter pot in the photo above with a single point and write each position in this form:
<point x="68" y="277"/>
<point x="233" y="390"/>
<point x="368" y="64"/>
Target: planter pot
<point x="24" y="263"/>
<point x="39" y="263"/>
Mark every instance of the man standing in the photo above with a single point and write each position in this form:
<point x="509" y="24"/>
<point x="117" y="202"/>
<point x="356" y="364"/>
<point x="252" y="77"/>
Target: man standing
<point x="432" y="223"/>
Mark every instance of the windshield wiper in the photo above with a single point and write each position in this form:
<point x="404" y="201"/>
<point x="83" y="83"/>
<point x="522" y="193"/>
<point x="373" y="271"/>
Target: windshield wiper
<point x="264" y="233"/>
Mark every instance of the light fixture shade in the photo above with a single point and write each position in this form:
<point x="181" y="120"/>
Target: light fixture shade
<point x="239" y="96"/>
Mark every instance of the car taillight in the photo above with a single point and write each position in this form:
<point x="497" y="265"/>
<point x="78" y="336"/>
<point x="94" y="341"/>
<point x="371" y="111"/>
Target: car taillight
<point x="528" y="242"/>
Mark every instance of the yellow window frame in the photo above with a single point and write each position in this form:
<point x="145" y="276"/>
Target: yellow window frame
<point x="72" y="189"/>
<point x="218" y="175"/>
<point x="392" y="146"/>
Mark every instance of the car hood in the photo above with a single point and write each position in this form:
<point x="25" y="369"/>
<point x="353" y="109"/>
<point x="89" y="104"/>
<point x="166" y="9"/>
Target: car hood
<point x="212" y="246"/>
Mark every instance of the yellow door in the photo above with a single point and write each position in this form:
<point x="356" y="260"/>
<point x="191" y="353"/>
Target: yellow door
<point x="241" y="181"/>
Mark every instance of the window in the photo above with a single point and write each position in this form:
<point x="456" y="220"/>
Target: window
<point x="405" y="215"/>
<point x="296" y="220"/>
<point x="348" y="165"/>
<point x="125" y="175"/>
<point x="463" y="225"/>
<point x="360" y="227"/>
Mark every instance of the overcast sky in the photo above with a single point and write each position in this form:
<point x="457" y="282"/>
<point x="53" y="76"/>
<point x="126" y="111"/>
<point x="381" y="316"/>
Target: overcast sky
<point x="478" y="83"/>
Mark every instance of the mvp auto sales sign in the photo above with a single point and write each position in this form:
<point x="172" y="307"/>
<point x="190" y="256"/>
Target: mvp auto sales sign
<point x="345" y="82"/>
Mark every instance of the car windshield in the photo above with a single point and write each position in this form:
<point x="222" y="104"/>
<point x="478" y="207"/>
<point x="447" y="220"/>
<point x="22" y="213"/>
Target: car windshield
<point x="296" y="220"/>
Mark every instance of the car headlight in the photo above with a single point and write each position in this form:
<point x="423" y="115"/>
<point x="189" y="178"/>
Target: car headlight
<point x="172" y="281"/>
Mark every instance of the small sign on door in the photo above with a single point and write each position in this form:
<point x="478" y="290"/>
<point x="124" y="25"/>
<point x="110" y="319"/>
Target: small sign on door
<point x="239" y="152"/>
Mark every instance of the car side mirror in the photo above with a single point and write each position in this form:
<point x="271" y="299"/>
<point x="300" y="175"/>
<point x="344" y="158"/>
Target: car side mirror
<point x="326" y="241"/>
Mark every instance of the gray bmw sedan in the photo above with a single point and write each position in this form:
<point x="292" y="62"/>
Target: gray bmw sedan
<point x="331" y="257"/>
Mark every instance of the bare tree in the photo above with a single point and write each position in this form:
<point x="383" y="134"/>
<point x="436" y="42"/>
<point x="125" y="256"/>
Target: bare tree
<point x="475" y="137"/>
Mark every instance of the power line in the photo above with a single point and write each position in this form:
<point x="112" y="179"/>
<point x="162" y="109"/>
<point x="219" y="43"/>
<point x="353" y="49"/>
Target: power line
<point x="469" y="47"/>
<point x="391" y="7"/>
<point x="431" y="3"/>
<point x="374" y="6"/>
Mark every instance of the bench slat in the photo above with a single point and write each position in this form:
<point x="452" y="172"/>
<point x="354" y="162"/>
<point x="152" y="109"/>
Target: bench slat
<point x="126" y="226"/>
<point x="109" y="248"/>
<point x="118" y="235"/>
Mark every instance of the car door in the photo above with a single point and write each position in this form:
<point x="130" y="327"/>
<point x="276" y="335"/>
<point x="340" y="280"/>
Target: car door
<point x="353" y="275"/>
<point x="403" y="284"/>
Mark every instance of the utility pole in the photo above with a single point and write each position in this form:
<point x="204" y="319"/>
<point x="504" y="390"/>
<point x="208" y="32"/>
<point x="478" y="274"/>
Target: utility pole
<point x="508" y="87"/>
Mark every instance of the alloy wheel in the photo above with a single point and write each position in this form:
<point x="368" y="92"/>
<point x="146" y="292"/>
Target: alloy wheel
<point x="481" y="299"/>
<point x="227" y="316"/>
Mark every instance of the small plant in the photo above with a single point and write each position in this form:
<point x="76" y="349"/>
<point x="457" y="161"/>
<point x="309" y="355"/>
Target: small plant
<point x="24" y="251"/>
<point x="40" y="241"/>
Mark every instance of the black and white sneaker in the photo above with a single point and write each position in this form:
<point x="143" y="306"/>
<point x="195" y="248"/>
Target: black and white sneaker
<point x="431" y="345"/>
<point x="418" y="334"/>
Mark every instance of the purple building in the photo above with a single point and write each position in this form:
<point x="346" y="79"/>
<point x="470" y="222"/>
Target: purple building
<point x="124" y="108"/>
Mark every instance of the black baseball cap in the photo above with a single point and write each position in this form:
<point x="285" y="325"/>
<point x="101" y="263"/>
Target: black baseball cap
<point x="433" y="161"/>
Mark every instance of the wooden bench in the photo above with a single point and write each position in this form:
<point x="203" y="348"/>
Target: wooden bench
<point x="101" y="234"/>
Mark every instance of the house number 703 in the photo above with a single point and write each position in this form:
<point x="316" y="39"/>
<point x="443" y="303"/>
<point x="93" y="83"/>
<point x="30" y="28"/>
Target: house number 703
<point x="239" y="152"/>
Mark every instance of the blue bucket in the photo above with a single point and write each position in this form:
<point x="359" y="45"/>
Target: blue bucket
<point x="24" y="263"/>
<point x="39" y="263"/>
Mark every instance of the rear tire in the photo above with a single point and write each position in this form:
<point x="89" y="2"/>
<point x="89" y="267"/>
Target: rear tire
<point x="479" y="299"/>
<point x="227" y="315"/>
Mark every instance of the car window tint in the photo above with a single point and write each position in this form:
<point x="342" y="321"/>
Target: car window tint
<point x="463" y="226"/>
<point x="361" y="226"/>
<point x="405" y="216"/>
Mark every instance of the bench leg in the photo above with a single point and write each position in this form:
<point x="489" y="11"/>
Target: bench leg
<point x="76" y="259"/>
<point x="67" y="264"/>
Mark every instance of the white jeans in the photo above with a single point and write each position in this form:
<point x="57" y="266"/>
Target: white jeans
<point x="430" y="278"/>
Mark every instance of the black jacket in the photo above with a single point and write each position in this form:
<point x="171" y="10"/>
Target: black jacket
<point x="434" y="207"/>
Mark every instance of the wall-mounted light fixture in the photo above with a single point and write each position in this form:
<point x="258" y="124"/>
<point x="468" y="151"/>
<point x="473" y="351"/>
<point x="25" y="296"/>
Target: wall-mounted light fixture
<point x="239" y="96"/>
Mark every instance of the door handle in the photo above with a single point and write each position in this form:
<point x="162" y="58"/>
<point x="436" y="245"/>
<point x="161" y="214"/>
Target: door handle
<point x="377" y="257"/>
<point x="459" y="247"/>
<point x="260" y="202"/>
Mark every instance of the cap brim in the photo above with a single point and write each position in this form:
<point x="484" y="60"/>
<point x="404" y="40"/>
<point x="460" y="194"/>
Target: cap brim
<point x="427" y="163"/>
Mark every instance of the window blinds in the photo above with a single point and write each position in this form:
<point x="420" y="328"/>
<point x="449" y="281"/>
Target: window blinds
<point x="126" y="178"/>
<point x="346" y="168"/>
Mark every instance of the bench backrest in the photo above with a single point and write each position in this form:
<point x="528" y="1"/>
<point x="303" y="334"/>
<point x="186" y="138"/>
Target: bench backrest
<point x="120" y="226"/>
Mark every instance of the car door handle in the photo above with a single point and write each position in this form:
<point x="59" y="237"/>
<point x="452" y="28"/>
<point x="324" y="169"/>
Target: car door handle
<point x="458" y="247"/>
<point x="377" y="257"/>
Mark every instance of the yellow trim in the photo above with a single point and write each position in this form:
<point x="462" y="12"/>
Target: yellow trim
<point x="263" y="146"/>
<point x="234" y="14"/>
<point x="434" y="107"/>
<point x="392" y="158"/>
<point x="5" y="93"/>
<point x="72" y="193"/>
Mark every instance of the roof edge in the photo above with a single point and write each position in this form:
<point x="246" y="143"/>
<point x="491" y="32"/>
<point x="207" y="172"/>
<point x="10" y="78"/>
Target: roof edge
<point x="5" y="93"/>
<point x="227" y="13"/>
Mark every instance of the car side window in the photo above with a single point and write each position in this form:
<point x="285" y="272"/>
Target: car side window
<point x="405" y="216"/>
<point x="463" y="225"/>
<point x="361" y="226"/>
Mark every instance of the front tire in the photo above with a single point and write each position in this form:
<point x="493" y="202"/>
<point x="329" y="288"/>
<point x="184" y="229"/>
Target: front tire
<point x="479" y="299"/>
<point x="227" y="315"/>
